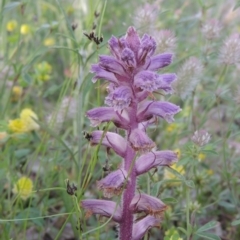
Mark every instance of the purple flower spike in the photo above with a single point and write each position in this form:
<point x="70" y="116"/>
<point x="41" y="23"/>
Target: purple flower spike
<point x="165" y="110"/>
<point x="113" y="183"/>
<point x="147" y="204"/>
<point x="107" y="114"/>
<point x="120" y="98"/>
<point x="131" y="76"/>
<point x="103" y="207"/>
<point x="141" y="141"/>
<point x="155" y="159"/>
<point x="142" y="226"/>
<point x="112" y="140"/>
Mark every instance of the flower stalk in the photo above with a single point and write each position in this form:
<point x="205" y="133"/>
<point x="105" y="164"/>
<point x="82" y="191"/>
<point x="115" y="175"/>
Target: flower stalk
<point x="132" y="75"/>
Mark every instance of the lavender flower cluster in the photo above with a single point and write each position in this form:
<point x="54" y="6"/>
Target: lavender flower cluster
<point x="132" y="75"/>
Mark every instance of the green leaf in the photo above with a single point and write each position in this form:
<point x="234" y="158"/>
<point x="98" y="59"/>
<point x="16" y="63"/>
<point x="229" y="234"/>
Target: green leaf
<point x="207" y="226"/>
<point x="169" y="200"/>
<point x="209" y="236"/>
<point x="183" y="230"/>
<point x="10" y="6"/>
<point x="27" y="79"/>
<point x="184" y="161"/>
<point x="190" y="183"/>
<point x="235" y="222"/>
<point x="22" y="152"/>
<point x="52" y="90"/>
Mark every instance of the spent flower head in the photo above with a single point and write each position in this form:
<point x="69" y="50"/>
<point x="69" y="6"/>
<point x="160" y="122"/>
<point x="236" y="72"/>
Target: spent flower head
<point x="23" y="187"/>
<point x="211" y="29"/>
<point x="201" y="137"/>
<point x="230" y="51"/>
<point x="17" y="92"/>
<point x="189" y="76"/>
<point x="166" y="41"/>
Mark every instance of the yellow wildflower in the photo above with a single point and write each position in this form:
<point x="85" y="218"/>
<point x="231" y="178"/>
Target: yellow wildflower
<point x="172" y="127"/>
<point x="11" y="25"/>
<point x="23" y="187"/>
<point x="28" y="117"/>
<point x="170" y="176"/>
<point x="16" y="93"/>
<point x="17" y="125"/>
<point x="178" y="152"/>
<point x="43" y="69"/>
<point x="201" y="157"/>
<point x="49" y="42"/>
<point x="25" y="29"/>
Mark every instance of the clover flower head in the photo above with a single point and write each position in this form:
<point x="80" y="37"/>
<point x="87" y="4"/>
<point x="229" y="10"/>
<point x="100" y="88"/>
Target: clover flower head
<point x="23" y="187"/>
<point x="17" y="126"/>
<point x="166" y="41"/>
<point x="17" y="92"/>
<point x="29" y="117"/>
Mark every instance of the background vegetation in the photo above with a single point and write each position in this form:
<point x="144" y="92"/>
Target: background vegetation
<point x="45" y="59"/>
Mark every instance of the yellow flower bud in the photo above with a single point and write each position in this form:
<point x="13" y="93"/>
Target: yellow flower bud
<point x="23" y="187"/>
<point x="25" y="29"/>
<point x="11" y="25"/>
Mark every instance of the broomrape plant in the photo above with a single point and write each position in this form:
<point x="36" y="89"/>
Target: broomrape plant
<point x="131" y="73"/>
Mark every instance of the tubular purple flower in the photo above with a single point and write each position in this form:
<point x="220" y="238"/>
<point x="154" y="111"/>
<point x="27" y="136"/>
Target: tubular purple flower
<point x="164" y="82"/>
<point x="107" y="114"/>
<point x="120" y="98"/>
<point x="103" y="74"/>
<point x="102" y="207"/>
<point x="147" y="204"/>
<point x="142" y="226"/>
<point x="155" y="159"/>
<point x="113" y="183"/>
<point x="159" y="61"/>
<point x="110" y="64"/>
<point x="165" y="110"/>
<point x="109" y="139"/>
<point x="128" y="58"/>
<point x="115" y="47"/>
<point x="140" y="140"/>
<point x="147" y="47"/>
<point x="146" y="80"/>
<point x="133" y="39"/>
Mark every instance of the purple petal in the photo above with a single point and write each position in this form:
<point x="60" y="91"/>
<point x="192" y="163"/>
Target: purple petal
<point x="103" y="207"/>
<point x="146" y="80"/>
<point x="147" y="204"/>
<point x="115" y="47"/>
<point x="106" y="114"/>
<point x="100" y="73"/>
<point x="147" y="48"/>
<point x="120" y="98"/>
<point x="140" y="140"/>
<point x="109" y="139"/>
<point x="110" y="64"/>
<point x="159" y="61"/>
<point x="128" y="58"/>
<point x="155" y="159"/>
<point x="133" y="39"/>
<point x="165" y="110"/>
<point x="113" y="183"/>
<point x="142" y="226"/>
<point x="165" y="80"/>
